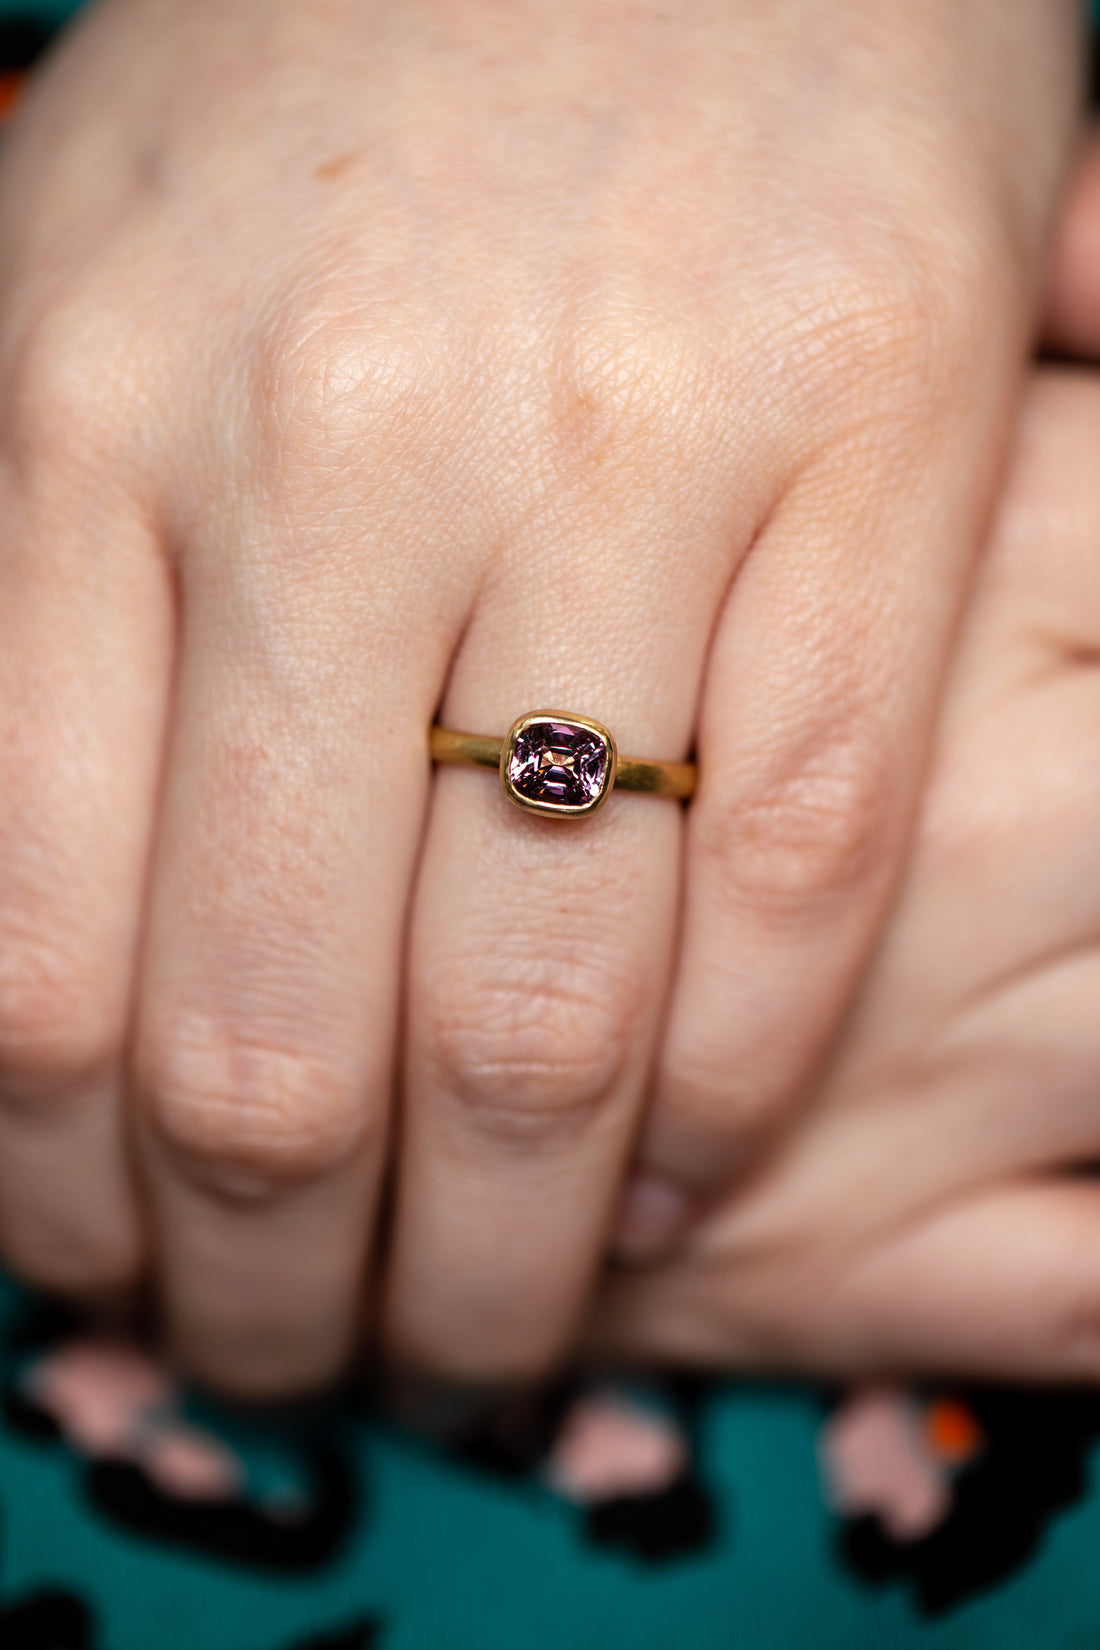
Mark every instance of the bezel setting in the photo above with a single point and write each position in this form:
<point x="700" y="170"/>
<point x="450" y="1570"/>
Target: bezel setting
<point x="550" y="807"/>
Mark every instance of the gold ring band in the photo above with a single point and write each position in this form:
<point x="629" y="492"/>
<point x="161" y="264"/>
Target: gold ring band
<point x="554" y="762"/>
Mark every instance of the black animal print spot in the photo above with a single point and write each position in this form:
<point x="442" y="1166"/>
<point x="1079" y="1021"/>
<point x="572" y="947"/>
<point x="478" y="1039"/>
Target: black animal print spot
<point x="232" y="1530"/>
<point x="46" y="1621"/>
<point x="22" y="41"/>
<point x="655" y="1528"/>
<point x="362" y="1634"/>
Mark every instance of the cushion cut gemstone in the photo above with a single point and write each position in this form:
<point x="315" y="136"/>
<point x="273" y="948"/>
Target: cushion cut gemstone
<point x="558" y="764"/>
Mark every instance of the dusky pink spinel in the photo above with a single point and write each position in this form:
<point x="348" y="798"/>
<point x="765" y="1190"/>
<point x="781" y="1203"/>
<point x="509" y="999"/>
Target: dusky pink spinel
<point x="558" y="764"/>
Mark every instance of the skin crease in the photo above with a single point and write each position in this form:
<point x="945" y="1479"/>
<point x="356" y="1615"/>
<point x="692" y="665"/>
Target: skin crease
<point x="359" y="361"/>
<point x="922" y="1216"/>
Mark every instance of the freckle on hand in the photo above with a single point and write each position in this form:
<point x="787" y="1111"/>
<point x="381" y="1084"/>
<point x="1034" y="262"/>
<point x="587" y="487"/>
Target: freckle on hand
<point x="330" y="171"/>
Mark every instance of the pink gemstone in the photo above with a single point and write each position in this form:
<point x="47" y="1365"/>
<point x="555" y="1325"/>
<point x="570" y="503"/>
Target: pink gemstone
<point x="559" y="764"/>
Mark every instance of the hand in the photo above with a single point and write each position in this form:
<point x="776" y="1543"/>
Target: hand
<point x="364" y="359"/>
<point x="924" y="1215"/>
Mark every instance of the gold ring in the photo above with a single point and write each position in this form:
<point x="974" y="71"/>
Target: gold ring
<point x="552" y="762"/>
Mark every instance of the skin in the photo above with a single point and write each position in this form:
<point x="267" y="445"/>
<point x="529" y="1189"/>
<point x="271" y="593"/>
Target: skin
<point x="1073" y="298"/>
<point x="363" y="361"/>
<point x="927" y="1213"/>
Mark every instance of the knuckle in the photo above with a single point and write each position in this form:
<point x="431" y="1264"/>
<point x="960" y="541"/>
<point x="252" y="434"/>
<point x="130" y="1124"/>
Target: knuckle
<point x="724" y="1115"/>
<point x="918" y="320"/>
<point x="816" y="823"/>
<point x="58" y="1028"/>
<point x="246" y="1114"/>
<point x="531" y="1054"/>
<point x="337" y="381"/>
<point x="714" y="1118"/>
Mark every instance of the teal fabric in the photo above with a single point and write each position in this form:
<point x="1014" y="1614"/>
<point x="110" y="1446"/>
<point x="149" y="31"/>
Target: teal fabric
<point x="442" y="1558"/>
<point x="51" y="12"/>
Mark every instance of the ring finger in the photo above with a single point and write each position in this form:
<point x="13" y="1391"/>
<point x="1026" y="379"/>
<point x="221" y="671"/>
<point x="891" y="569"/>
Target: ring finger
<point x="540" y="948"/>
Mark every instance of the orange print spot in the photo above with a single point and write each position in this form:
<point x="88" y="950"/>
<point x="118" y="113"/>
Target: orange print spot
<point x="10" y="85"/>
<point x="953" y="1432"/>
